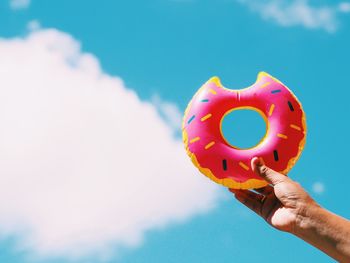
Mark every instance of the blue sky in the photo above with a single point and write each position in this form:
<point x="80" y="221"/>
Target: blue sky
<point x="165" y="49"/>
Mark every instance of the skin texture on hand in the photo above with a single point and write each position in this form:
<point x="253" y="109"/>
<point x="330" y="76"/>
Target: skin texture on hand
<point x="285" y="205"/>
<point x="279" y="203"/>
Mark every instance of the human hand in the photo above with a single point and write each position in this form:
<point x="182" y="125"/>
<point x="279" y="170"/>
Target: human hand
<point x="282" y="203"/>
<point x="285" y="205"/>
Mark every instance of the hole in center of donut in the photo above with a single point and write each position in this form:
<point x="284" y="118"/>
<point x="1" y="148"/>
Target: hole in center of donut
<point x="243" y="128"/>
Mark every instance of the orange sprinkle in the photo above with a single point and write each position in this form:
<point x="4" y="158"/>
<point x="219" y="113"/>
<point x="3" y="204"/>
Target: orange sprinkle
<point x="244" y="166"/>
<point x="206" y="117"/>
<point x="295" y="127"/>
<point x="195" y="140"/>
<point x="272" y="107"/>
<point x="209" y="145"/>
<point x="282" y="136"/>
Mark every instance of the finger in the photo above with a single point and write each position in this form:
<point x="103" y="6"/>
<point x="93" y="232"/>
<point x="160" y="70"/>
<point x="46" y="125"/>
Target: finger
<point x="269" y="208"/>
<point x="251" y="200"/>
<point x="266" y="190"/>
<point x="267" y="173"/>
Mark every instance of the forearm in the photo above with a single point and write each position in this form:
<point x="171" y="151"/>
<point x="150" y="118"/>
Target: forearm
<point x="326" y="231"/>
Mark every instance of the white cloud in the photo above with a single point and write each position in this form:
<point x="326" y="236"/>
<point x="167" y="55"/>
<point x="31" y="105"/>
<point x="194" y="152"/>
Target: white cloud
<point x="318" y="188"/>
<point x="85" y="165"/>
<point x="19" y="4"/>
<point x="169" y="111"/>
<point x="344" y="7"/>
<point x="297" y="13"/>
<point x="33" y="25"/>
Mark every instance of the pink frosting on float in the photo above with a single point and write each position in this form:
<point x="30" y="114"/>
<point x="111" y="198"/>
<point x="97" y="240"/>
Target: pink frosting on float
<point x="280" y="147"/>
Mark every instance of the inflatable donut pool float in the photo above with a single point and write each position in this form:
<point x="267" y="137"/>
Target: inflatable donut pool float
<point x="226" y="164"/>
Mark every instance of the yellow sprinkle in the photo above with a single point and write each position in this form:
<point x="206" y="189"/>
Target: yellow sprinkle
<point x="195" y="140"/>
<point x="295" y="127"/>
<point x="244" y="166"/>
<point x="206" y="117"/>
<point x="282" y="136"/>
<point x="265" y="84"/>
<point x="271" y="109"/>
<point x="209" y="145"/>
<point x="212" y="91"/>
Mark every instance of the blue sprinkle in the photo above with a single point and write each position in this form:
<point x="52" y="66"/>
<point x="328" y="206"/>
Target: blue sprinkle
<point x="290" y="106"/>
<point x="275" y="91"/>
<point x="204" y="100"/>
<point x="224" y="165"/>
<point x="275" y="155"/>
<point x="191" y="119"/>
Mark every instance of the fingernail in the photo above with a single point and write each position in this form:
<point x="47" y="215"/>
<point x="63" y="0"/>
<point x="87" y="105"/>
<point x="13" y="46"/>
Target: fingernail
<point x="254" y="163"/>
<point x="261" y="161"/>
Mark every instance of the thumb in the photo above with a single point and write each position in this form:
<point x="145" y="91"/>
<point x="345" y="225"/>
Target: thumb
<point x="267" y="173"/>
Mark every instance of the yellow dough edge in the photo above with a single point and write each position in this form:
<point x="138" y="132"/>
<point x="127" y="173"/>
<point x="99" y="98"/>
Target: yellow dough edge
<point x="301" y="147"/>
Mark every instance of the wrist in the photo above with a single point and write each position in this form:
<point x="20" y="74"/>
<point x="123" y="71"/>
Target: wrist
<point x="308" y="217"/>
<point x="324" y="230"/>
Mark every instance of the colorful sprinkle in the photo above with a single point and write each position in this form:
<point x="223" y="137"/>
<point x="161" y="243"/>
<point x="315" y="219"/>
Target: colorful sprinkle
<point x="244" y="166"/>
<point x="295" y="127"/>
<point x="191" y="119"/>
<point x="209" y="145"/>
<point x="265" y="84"/>
<point x="196" y="139"/>
<point x="275" y="155"/>
<point x="212" y="91"/>
<point x="282" y="136"/>
<point x="224" y="165"/>
<point x="206" y="100"/>
<point x="206" y="117"/>
<point x="275" y="91"/>
<point x="272" y="107"/>
<point x="290" y="106"/>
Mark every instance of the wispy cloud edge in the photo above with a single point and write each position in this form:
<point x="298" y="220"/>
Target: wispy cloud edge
<point x="19" y="4"/>
<point x="288" y="13"/>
